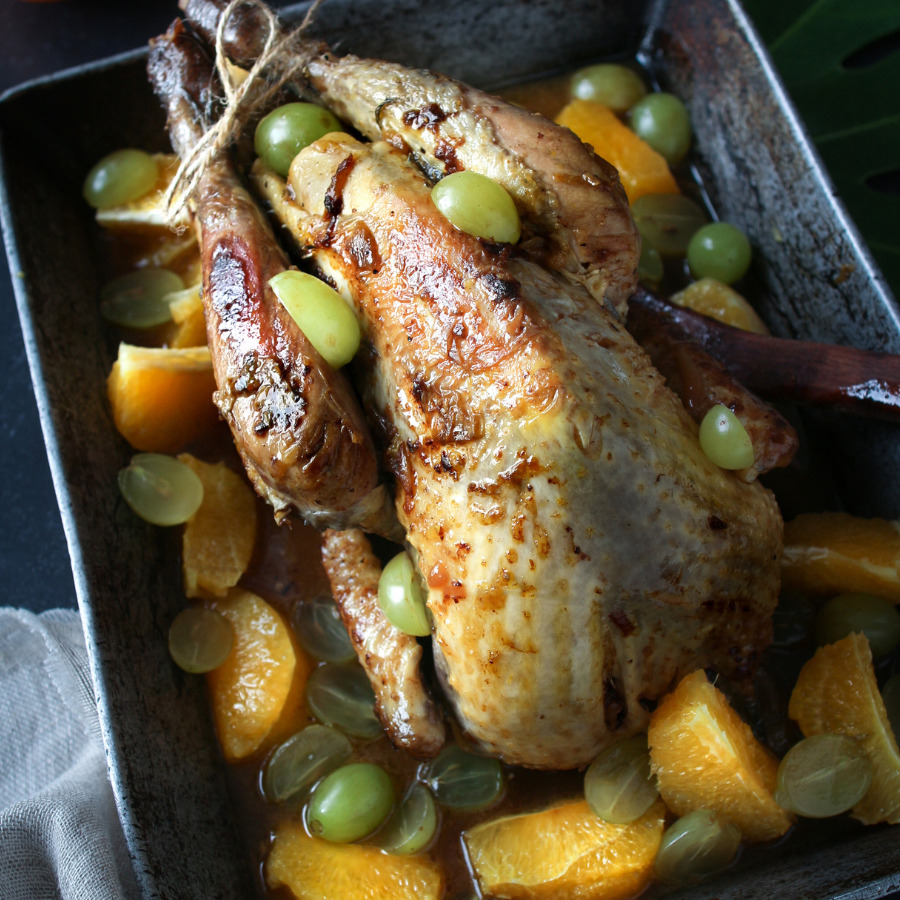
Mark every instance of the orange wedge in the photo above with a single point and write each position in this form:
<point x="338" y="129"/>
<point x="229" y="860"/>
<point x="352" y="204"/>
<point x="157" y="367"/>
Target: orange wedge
<point x="834" y="553"/>
<point x="162" y="398"/>
<point x="146" y="216"/>
<point x="160" y="249"/>
<point x="565" y="851"/>
<point x="219" y="538"/>
<point x="251" y="689"/>
<point x="147" y="212"/>
<point x="187" y="314"/>
<point x="705" y="757"/>
<point x="313" y="869"/>
<point x="836" y="693"/>
<point x="641" y="168"/>
<point x="722" y="302"/>
<point x="142" y="233"/>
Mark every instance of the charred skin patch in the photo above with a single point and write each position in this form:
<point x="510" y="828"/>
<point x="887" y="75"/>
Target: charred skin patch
<point x="429" y="116"/>
<point x="501" y="290"/>
<point x="334" y="196"/>
<point x="363" y="248"/>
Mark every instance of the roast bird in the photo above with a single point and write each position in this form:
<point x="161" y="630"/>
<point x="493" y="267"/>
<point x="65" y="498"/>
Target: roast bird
<point x="580" y="552"/>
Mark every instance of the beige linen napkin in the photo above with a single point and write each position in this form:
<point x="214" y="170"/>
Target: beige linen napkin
<point x="59" y="831"/>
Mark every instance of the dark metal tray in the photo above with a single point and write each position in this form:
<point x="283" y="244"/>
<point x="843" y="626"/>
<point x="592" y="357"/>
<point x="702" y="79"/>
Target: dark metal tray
<point x="762" y="174"/>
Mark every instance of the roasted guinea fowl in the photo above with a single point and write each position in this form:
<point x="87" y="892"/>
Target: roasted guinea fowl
<point x="295" y="421"/>
<point x="580" y="551"/>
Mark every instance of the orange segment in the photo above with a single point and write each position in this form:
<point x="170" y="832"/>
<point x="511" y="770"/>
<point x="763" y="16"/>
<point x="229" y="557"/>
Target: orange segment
<point x="565" y="851"/>
<point x="250" y="689"/>
<point x="641" y="168"/>
<point x="187" y="314"/>
<point x="143" y="236"/>
<point x="834" y="552"/>
<point x="147" y="212"/>
<point x="162" y="398"/>
<point x="159" y="249"/>
<point x="837" y="693"/>
<point x="313" y="869"/>
<point x="168" y="250"/>
<point x="722" y="302"/>
<point x="705" y="757"/>
<point x="219" y="538"/>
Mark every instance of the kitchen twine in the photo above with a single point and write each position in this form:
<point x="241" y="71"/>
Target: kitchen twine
<point x="280" y="60"/>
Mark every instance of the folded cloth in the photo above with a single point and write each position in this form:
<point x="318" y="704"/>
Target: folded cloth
<point x="59" y="831"/>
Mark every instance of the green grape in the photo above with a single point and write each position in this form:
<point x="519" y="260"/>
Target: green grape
<point x="725" y="440"/>
<point x="719" y="251"/>
<point x="160" y="489"/>
<point x="342" y="697"/>
<point x="877" y="618"/>
<point x="200" y="639"/>
<point x="139" y="299"/>
<point x="668" y="221"/>
<point x="613" y="85"/>
<point x="650" y="265"/>
<point x="413" y="823"/>
<point x="121" y="177"/>
<point x="350" y="803"/>
<point x="662" y="120"/>
<point x="823" y="775"/>
<point x="298" y="763"/>
<point x="285" y="131"/>
<point x="463" y="781"/>
<point x="891" y="696"/>
<point x="400" y="597"/>
<point x="698" y="844"/>
<point x="618" y="785"/>
<point x="321" y="632"/>
<point x="793" y="620"/>
<point x="321" y="313"/>
<point x="479" y="206"/>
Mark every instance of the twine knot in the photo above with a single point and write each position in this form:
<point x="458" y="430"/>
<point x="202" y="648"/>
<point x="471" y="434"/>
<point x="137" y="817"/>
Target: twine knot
<point x="282" y="57"/>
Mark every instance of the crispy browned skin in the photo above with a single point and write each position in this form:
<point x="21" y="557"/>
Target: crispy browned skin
<point x="580" y="550"/>
<point x="574" y="210"/>
<point x="296" y="422"/>
<point x="571" y="201"/>
<point x="391" y="659"/>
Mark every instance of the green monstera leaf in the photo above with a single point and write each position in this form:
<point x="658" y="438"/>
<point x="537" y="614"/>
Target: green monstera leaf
<point x="840" y="62"/>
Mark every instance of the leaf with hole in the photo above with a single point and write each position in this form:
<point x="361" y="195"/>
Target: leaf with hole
<point x="840" y="62"/>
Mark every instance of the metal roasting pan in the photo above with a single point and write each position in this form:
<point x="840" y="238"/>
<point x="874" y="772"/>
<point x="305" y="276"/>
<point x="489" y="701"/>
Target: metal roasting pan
<point x="761" y="172"/>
